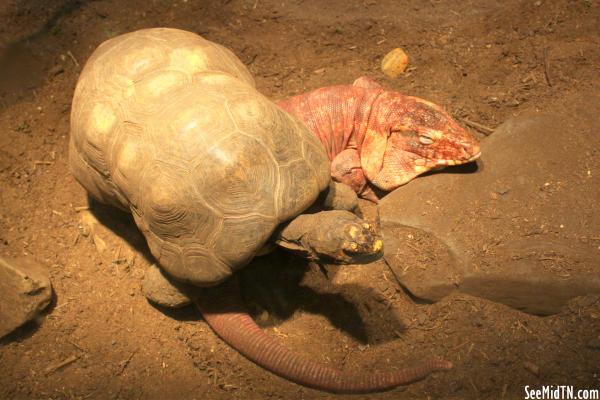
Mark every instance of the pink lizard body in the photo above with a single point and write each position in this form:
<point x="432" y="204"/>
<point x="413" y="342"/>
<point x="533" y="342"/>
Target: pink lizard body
<point x="379" y="136"/>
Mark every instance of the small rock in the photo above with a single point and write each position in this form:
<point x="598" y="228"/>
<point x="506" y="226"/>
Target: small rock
<point x="162" y="290"/>
<point x="422" y="318"/>
<point x="87" y="223"/>
<point x="56" y="70"/>
<point x="531" y="367"/>
<point x="594" y="343"/>
<point x="25" y="291"/>
<point x="394" y="63"/>
<point x="263" y="316"/>
<point x="478" y="320"/>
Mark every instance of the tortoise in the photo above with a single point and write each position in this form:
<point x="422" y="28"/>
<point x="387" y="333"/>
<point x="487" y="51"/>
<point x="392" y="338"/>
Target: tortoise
<point x="169" y="126"/>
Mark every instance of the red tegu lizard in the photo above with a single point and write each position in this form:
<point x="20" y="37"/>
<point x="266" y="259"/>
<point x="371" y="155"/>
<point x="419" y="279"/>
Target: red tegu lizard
<point x="381" y="137"/>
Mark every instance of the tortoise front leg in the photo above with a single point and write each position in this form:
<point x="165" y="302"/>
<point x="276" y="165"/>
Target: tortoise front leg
<point x="338" y="196"/>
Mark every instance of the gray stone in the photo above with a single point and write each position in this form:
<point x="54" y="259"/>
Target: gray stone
<point x="524" y="278"/>
<point x="517" y="231"/>
<point x="25" y="291"/>
<point x="164" y="291"/>
<point x="420" y="261"/>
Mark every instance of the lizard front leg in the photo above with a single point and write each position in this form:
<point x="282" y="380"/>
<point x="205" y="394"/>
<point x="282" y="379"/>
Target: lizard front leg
<point x="346" y="168"/>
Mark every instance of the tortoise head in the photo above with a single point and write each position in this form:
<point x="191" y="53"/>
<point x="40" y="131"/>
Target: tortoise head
<point x="343" y="238"/>
<point x="336" y="236"/>
<point x="410" y="136"/>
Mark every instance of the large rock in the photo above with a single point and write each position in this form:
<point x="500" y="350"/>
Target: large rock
<point x="521" y="230"/>
<point x="25" y="291"/>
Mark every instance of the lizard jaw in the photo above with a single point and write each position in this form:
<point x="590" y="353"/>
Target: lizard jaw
<point x="395" y="174"/>
<point x="434" y="163"/>
<point x="458" y="161"/>
<point x="423" y="165"/>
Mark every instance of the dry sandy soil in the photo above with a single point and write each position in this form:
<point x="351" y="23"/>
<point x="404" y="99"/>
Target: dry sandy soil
<point x="483" y="60"/>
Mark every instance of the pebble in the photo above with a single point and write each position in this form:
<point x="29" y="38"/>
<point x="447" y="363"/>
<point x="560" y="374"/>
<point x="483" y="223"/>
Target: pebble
<point x="394" y="63"/>
<point x="531" y="367"/>
<point x="594" y="343"/>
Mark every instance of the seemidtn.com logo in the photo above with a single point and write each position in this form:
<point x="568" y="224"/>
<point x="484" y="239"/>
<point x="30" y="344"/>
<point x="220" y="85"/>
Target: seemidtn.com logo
<point x="561" y="392"/>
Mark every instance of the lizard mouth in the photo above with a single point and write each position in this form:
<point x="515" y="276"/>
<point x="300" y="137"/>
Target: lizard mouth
<point x="422" y="163"/>
<point x="457" y="162"/>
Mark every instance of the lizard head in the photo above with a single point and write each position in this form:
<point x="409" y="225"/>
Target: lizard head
<point x="409" y="136"/>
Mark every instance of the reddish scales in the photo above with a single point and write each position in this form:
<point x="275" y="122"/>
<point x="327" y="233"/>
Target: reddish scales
<point x="379" y="136"/>
<point x="223" y="311"/>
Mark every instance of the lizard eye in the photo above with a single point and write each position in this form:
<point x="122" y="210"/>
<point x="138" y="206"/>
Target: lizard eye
<point x="424" y="139"/>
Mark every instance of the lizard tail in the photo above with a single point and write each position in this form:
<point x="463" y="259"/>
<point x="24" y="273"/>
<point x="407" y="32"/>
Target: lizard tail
<point x="222" y="310"/>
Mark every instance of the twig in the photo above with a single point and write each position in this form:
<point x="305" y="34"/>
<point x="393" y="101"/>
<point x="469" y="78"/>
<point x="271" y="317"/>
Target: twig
<point x="40" y="162"/>
<point x="279" y="333"/>
<point x="125" y="363"/>
<point x="473" y="384"/>
<point x="61" y="305"/>
<point x="81" y="208"/>
<point x="345" y="358"/>
<point x="73" y="58"/>
<point x="117" y="257"/>
<point x="62" y="364"/>
<point x="75" y="344"/>
<point x="524" y="327"/>
<point x="486" y="130"/>
<point x="412" y="247"/>
<point x="547" y="67"/>
<point x="459" y="346"/>
<point x="470" y="348"/>
<point x="430" y="328"/>
<point x="76" y="239"/>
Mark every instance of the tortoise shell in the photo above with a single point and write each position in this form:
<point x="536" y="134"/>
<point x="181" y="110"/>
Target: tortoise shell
<point x="169" y="126"/>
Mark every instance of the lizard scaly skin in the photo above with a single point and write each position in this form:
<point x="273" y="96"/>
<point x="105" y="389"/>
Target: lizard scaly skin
<point x="380" y="137"/>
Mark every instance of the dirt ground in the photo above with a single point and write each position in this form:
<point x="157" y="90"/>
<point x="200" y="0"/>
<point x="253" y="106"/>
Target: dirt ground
<point x="485" y="61"/>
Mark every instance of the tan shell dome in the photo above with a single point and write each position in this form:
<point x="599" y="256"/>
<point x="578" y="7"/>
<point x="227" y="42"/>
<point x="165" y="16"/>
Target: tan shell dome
<point x="169" y="126"/>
